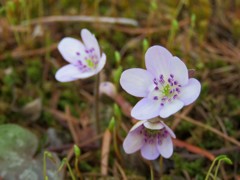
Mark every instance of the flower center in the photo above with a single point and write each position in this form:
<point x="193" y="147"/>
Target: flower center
<point x="166" y="89"/>
<point x="88" y="60"/>
<point x="153" y="136"/>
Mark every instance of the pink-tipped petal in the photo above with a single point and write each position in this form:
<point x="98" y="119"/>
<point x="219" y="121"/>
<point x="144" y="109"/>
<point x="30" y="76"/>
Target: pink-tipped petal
<point x="190" y="92"/>
<point x="166" y="147"/>
<point x="71" y="49"/>
<point x="136" y="81"/>
<point x="157" y="59"/>
<point x="169" y="130"/>
<point x="149" y="151"/>
<point x="145" y="109"/>
<point x="90" y="41"/>
<point x="133" y="142"/>
<point x="154" y="125"/>
<point x="108" y="88"/>
<point x="179" y="70"/>
<point x="171" y="108"/>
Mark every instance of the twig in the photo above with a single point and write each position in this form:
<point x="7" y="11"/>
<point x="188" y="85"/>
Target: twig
<point x="109" y="20"/>
<point x="22" y="54"/>
<point x="194" y="149"/>
<point x="62" y="116"/>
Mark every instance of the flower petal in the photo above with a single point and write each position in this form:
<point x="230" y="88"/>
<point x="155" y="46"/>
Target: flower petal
<point x="149" y="151"/>
<point x="71" y="49"/>
<point x="154" y="125"/>
<point x="179" y="70"/>
<point x="169" y="130"/>
<point x="190" y="92"/>
<point x="157" y="60"/>
<point x="145" y="109"/>
<point x="101" y="63"/>
<point x="90" y="41"/>
<point x="70" y="73"/>
<point x="138" y="124"/>
<point x="170" y="108"/>
<point x="133" y="142"/>
<point x="166" y="147"/>
<point x="136" y="81"/>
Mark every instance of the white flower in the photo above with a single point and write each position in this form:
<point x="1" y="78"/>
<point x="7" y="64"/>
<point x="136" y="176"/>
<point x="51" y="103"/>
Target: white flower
<point x="84" y="58"/>
<point x="165" y="85"/>
<point x="151" y="138"/>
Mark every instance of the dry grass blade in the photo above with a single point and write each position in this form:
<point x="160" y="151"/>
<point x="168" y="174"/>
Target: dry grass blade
<point x="124" y="177"/>
<point x="71" y="126"/>
<point x="110" y="20"/>
<point x="230" y="139"/>
<point x="105" y="152"/>
<point x="178" y="119"/>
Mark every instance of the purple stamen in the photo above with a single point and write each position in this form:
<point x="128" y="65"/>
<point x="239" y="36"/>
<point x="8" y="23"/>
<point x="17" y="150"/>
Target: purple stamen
<point x="164" y="99"/>
<point x="155" y="81"/>
<point x="175" y="96"/>
<point x="162" y="104"/>
<point x="175" y="82"/>
<point x="80" y="62"/>
<point x="78" y="53"/>
<point x="171" y="75"/>
<point x="155" y="98"/>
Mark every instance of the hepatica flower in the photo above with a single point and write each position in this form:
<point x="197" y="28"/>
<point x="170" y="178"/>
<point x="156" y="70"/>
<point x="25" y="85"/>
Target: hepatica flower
<point x="151" y="138"/>
<point x="84" y="59"/>
<point x="164" y="85"/>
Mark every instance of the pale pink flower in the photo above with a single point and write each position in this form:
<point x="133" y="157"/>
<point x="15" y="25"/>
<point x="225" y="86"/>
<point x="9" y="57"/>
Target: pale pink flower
<point x="85" y="58"/>
<point x="108" y="88"/>
<point x="164" y="85"/>
<point x="151" y="138"/>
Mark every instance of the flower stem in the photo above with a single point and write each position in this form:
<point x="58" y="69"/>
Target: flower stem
<point x="96" y="109"/>
<point x="210" y="169"/>
<point x="151" y="171"/>
<point x="160" y="166"/>
<point x="45" y="166"/>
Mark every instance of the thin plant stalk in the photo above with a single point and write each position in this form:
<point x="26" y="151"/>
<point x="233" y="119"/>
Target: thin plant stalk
<point x="65" y="161"/>
<point x="96" y="108"/>
<point x="160" y="166"/>
<point x="77" y="169"/>
<point x="210" y="169"/>
<point x="151" y="172"/>
<point x="216" y="169"/>
<point x="44" y="165"/>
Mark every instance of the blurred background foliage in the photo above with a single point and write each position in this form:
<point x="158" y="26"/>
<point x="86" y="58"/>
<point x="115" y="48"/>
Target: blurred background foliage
<point x="203" y="33"/>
